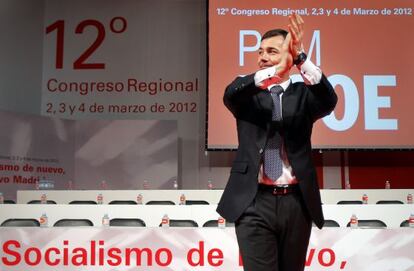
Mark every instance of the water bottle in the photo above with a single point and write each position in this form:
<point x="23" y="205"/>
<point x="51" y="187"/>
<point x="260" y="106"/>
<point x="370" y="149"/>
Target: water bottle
<point x="99" y="198"/>
<point x="221" y="222"/>
<point x="387" y="184"/>
<point x="105" y="220"/>
<point x="210" y="185"/>
<point x="411" y="221"/>
<point x="354" y="221"/>
<point x="70" y="185"/>
<point x="175" y="184"/>
<point x="43" y="220"/>
<point x="43" y="199"/>
<point x="139" y="199"/>
<point x="1" y="198"/>
<point x="410" y="199"/>
<point x="165" y="222"/>
<point x="145" y="185"/>
<point x="182" y="199"/>
<point x="365" y="199"/>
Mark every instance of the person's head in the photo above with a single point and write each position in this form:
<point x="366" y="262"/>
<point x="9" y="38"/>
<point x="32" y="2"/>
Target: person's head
<point x="270" y="48"/>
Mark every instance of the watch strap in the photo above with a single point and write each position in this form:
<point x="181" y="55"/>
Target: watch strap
<point x="300" y="59"/>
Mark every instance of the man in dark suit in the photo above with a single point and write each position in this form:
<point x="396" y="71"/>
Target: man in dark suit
<point x="272" y="194"/>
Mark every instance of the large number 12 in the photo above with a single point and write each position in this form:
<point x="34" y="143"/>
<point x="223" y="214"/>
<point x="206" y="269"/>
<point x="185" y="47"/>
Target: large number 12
<point x="79" y="63"/>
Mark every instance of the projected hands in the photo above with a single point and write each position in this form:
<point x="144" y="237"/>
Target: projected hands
<point x="296" y="29"/>
<point x="292" y="45"/>
<point x="286" y="59"/>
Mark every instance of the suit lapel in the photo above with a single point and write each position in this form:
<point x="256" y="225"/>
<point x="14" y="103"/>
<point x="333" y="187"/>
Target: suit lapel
<point x="265" y="103"/>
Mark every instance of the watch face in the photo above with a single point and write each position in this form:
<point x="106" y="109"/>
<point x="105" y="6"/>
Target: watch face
<point x="301" y="58"/>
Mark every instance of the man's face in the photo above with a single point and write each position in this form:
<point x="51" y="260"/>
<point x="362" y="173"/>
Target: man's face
<point x="270" y="52"/>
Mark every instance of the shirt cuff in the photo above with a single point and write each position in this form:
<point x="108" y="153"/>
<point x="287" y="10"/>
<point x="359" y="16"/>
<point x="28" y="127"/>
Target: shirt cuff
<point x="311" y="73"/>
<point x="264" y="78"/>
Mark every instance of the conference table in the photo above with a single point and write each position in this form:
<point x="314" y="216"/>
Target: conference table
<point x="328" y="196"/>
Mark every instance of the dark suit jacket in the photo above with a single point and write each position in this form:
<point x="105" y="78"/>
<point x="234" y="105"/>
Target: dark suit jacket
<point x="302" y="105"/>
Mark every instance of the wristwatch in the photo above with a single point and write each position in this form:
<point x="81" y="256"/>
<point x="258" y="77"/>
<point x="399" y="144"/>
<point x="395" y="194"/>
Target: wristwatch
<point x="300" y="59"/>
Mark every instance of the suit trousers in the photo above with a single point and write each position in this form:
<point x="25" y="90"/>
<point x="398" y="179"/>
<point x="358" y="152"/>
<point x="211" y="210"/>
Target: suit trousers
<point x="273" y="232"/>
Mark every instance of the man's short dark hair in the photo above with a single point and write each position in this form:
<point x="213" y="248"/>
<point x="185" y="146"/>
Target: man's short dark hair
<point x="274" y="33"/>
